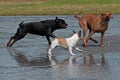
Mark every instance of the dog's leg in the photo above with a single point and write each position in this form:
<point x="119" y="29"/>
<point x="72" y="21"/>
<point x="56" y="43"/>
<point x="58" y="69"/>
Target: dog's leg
<point x="49" y="34"/>
<point x="70" y="51"/>
<point x="95" y="41"/>
<point x="78" y="49"/>
<point x="102" y="38"/>
<point x="53" y="45"/>
<point x="48" y="39"/>
<point x="83" y="25"/>
<point x="8" y="44"/>
<point x="84" y="37"/>
<point x="89" y="36"/>
<point x="19" y="35"/>
<point x="11" y="41"/>
<point x="49" y="51"/>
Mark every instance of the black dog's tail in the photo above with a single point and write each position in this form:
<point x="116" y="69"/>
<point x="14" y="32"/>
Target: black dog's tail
<point x="21" y="23"/>
<point x="77" y="15"/>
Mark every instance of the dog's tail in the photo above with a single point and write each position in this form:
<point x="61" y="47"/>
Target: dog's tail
<point x="77" y="15"/>
<point x="21" y="23"/>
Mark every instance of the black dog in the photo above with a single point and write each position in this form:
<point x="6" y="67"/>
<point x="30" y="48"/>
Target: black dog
<point x="43" y="28"/>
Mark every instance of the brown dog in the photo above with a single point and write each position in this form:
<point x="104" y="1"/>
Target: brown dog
<point x="94" y="23"/>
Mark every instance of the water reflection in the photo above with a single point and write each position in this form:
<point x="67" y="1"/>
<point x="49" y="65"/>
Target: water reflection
<point x="69" y="62"/>
<point x="88" y="66"/>
<point x="24" y="60"/>
<point x="86" y="59"/>
<point x="89" y="59"/>
<point x="48" y="61"/>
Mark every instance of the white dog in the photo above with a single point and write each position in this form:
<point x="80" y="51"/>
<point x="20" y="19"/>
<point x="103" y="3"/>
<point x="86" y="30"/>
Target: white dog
<point x="68" y="43"/>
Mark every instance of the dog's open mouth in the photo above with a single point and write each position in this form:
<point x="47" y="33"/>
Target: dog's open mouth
<point x="107" y="19"/>
<point x="64" y="26"/>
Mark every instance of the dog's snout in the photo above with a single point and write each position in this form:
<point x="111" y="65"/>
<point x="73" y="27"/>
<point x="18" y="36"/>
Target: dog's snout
<point x="107" y="19"/>
<point x="107" y="16"/>
<point x="66" y="24"/>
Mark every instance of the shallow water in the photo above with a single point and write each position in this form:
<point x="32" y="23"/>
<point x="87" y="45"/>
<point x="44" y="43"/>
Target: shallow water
<point x="28" y="60"/>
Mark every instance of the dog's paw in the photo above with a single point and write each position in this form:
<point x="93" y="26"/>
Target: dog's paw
<point x="49" y="52"/>
<point x="85" y="44"/>
<point x="102" y="46"/>
<point x="72" y="54"/>
<point x="78" y="49"/>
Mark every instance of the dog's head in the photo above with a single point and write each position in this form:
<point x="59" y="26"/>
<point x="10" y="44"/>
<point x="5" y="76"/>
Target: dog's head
<point x="106" y="16"/>
<point x="61" y="24"/>
<point x="79" y="33"/>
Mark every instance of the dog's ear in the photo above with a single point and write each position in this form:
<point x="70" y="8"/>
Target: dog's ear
<point x="102" y="15"/>
<point x="79" y="33"/>
<point x="56" y="19"/>
<point x="111" y="15"/>
<point x="74" y="32"/>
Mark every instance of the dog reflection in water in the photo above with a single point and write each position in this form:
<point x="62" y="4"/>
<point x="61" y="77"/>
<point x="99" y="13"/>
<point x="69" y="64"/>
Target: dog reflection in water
<point x="24" y="60"/>
<point x="69" y="61"/>
<point x="68" y="43"/>
<point x="89" y="60"/>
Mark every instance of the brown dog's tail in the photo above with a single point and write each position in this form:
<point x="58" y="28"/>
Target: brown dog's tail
<point x="77" y="15"/>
